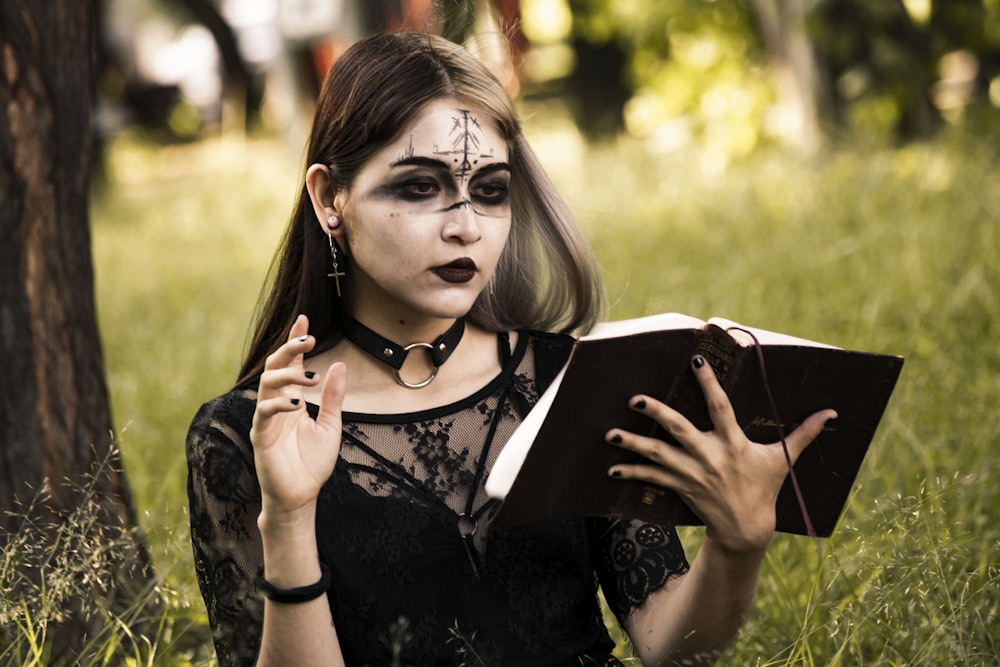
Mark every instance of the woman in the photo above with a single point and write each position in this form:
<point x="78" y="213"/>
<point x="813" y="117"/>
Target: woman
<point x="337" y="505"/>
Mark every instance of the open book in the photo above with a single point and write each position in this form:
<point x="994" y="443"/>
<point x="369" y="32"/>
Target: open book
<point x="555" y="464"/>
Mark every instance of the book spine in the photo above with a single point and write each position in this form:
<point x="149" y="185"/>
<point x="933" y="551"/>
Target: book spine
<point x="721" y="352"/>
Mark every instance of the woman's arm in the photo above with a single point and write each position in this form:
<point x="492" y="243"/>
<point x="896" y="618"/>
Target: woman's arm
<point x="732" y="484"/>
<point x="299" y="633"/>
<point x="694" y="616"/>
<point x="294" y="456"/>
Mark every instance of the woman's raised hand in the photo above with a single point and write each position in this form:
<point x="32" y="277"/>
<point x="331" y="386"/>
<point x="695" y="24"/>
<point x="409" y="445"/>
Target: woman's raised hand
<point x="294" y="454"/>
<point x="730" y="482"/>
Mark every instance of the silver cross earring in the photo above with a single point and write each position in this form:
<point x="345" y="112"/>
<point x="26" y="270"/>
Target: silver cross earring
<point x="337" y="274"/>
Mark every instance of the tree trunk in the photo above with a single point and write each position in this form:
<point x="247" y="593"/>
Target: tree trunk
<point x="783" y="25"/>
<point x="55" y="421"/>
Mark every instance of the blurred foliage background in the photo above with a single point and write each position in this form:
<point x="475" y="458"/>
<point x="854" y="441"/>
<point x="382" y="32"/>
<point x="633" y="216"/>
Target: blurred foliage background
<point x="732" y="75"/>
<point x="821" y="167"/>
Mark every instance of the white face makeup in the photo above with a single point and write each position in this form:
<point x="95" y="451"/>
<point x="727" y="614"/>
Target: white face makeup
<point x="462" y="172"/>
<point x="428" y="216"/>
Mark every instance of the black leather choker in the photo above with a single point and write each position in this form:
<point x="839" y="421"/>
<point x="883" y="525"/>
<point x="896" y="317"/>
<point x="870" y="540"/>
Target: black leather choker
<point x="394" y="355"/>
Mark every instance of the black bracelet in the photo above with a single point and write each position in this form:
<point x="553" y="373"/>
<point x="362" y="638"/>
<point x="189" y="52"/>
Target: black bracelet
<point x="296" y="595"/>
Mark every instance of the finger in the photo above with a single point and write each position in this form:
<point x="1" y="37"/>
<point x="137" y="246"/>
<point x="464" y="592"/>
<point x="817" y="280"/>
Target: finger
<point x="300" y="327"/>
<point x="672" y="421"/>
<point x="332" y="396"/>
<point x="806" y="432"/>
<point x="650" y="474"/>
<point x="290" y="352"/>
<point x="720" y="409"/>
<point x="281" y="378"/>
<point x="277" y="405"/>
<point x="281" y="371"/>
<point x="653" y="449"/>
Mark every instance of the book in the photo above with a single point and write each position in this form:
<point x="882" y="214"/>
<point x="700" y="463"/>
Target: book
<point x="555" y="464"/>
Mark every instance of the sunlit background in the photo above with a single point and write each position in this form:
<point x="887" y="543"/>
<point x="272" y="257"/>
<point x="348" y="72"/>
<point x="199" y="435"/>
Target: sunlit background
<point x="726" y="75"/>
<point x="821" y="167"/>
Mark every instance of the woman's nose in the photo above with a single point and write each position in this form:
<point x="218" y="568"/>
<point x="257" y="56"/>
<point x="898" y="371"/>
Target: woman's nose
<point x="462" y="224"/>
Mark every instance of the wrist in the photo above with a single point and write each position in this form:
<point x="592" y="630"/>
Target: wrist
<point x="289" y="545"/>
<point x="744" y="538"/>
<point x="298" y="594"/>
<point x="283" y="522"/>
<point x="737" y="554"/>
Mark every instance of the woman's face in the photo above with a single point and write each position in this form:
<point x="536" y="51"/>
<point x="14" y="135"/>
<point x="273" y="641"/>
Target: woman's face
<point x="427" y="216"/>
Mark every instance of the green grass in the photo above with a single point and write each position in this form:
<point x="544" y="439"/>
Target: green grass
<point x="890" y="250"/>
<point x="183" y="237"/>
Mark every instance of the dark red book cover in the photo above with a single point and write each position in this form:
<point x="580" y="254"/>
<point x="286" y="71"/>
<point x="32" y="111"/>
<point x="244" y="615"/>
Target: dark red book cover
<point x="564" y="473"/>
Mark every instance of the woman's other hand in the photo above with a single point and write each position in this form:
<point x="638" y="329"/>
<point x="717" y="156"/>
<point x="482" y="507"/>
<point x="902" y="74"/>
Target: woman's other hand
<point x="731" y="483"/>
<point x="294" y="454"/>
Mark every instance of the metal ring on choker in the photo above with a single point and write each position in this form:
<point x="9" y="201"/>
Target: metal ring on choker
<point x="394" y="355"/>
<point x="422" y="383"/>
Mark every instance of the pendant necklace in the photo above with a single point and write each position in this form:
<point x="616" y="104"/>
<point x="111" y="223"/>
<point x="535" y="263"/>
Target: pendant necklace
<point x="394" y="355"/>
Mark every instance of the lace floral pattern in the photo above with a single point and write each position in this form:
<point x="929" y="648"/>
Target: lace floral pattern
<point x="418" y="575"/>
<point x="635" y="559"/>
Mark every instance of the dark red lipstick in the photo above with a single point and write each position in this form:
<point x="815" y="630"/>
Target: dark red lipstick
<point x="460" y="271"/>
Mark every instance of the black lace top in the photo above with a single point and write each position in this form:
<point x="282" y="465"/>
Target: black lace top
<point x="403" y="524"/>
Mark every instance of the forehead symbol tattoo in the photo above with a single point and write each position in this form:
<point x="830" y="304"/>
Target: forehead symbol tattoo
<point x="465" y="145"/>
<point x="408" y="153"/>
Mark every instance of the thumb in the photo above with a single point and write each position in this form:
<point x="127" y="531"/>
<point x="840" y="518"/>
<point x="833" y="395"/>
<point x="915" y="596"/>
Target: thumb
<point x="807" y="431"/>
<point x="331" y="399"/>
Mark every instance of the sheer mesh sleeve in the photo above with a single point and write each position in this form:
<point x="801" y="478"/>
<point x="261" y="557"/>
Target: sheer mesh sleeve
<point x="224" y="500"/>
<point x="633" y="559"/>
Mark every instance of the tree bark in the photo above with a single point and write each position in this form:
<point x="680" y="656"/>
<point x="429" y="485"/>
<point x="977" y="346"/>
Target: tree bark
<point x="55" y="419"/>
<point x="783" y="25"/>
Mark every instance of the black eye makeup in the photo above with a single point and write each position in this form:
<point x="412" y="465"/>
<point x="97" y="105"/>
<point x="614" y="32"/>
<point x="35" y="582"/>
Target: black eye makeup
<point x="491" y="194"/>
<point x="415" y="188"/>
<point x="434" y="186"/>
<point x="459" y="171"/>
<point x="491" y="189"/>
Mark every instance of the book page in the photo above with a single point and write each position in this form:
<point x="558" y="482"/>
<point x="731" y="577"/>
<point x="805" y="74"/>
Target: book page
<point x="764" y="336"/>
<point x="638" y="325"/>
<point x="510" y="458"/>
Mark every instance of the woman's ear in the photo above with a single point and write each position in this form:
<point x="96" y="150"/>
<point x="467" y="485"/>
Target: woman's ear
<point x="322" y="193"/>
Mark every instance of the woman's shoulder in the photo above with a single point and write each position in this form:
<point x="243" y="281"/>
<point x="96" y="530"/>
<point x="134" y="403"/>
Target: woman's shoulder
<point x="233" y="403"/>
<point x="546" y="343"/>
<point x="229" y="415"/>
<point x="550" y="351"/>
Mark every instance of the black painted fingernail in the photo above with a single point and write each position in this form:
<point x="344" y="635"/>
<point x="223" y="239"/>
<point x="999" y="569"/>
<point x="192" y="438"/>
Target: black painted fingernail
<point x="616" y="473"/>
<point x="615" y="439"/>
<point x="304" y="339"/>
<point x="295" y="401"/>
<point x="310" y="375"/>
<point x="639" y="404"/>
<point x="698" y="361"/>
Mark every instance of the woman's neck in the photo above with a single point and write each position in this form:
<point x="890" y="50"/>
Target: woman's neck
<point x="406" y="330"/>
<point x="372" y="387"/>
<point x="395" y="355"/>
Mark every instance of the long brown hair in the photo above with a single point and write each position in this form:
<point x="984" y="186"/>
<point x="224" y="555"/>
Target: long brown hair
<point x="547" y="277"/>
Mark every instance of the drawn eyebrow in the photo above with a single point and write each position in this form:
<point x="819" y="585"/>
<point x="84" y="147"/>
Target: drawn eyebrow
<point x="417" y="161"/>
<point x="493" y="166"/>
